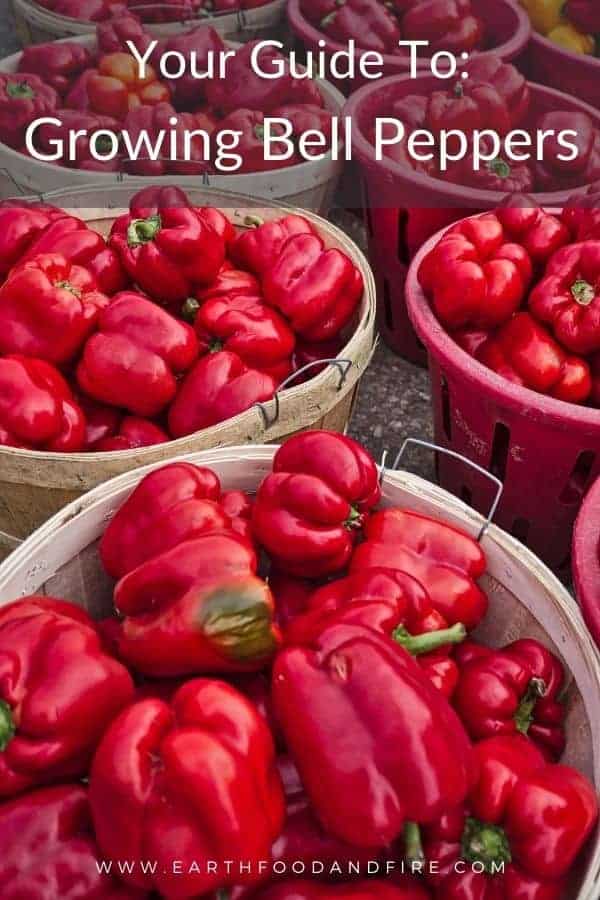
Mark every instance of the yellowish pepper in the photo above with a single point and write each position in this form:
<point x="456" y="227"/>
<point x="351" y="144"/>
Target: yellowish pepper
<point x="545" y="15"/>
<point x="567" y="36"/>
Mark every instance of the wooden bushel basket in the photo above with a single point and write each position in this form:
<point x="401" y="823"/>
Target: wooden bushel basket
<point x="34" y="485"/>
<point x="526" y="600"/>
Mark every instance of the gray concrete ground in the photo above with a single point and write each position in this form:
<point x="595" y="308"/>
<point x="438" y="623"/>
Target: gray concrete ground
<point x="394" y="395"/>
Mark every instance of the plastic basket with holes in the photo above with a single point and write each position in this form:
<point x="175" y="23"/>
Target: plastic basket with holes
<point x="545" y="451"/>
<point x="61" y="559"/>
<point x="34" y="485"/>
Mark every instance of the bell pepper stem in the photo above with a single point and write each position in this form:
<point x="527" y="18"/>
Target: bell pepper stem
<point x="142" y="231"/>
<point x="20" y="90"/>
<point x="413" y="846"/>
<point x="189" y="310"/>
<point x="253" y="221"/>
<point x="7" y="725"/>
<point x="417" y="644"/>
<point x="524" y="714"/>
<point x="485" y="844"/>
<point x="354" y="520"/>
<point x="583" y="292"/>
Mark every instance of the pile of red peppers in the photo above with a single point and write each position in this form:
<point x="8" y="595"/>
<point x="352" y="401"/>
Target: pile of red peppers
<point x="519" y="290"/>
<point x="286" y="703"/>
<point x="175" y="322"/>
<point x="87" y="90"/>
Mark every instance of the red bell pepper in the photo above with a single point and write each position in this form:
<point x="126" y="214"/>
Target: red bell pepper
<point x="511" y="829"/>
<point x="57" y="64"/>
<point x="469" y="106"/>
<point x="196" y="608"/>
<point x="170" y="253"/>
<point x="307" y="510"/>
<point x="555" y="174"/>
<point x="113" y="34"/>
<point x="23" y="98"/>
<point x="510" y="83"/>
<point x="474" y="276"/>
<point x="205" y="787"/>
<point x="447" y="25"/>
<point x="49" y="849"/>
<point x="367" y="22"/>
<point x="87" y="10"/>
<point x="317" y="289"/>
<point x="539" y="233"/>
<point x="262" y="243"/>
<point x="244" y="88"/>
<point x="20" y="226"/>
<point x="77" y="96"/>
<point x="567" y="299"/>
<point x="259" y="335"/>
<point x="514" y="690"/>
<point x="71" y="238"/>
<point x="229" y="284"/>
<point x="189" y="92"/>
<point x="251" y="146"/>
<point x="133" y="433"/>
<point x="299" y="889"/>
<point x="173" y="504"/>
<point x="48" y="307"/>
<point x="117" y="87"/>
<point x="523" y="352"/>
<point x="446" y="561"/>
<point x="584" y="14"/>
<point x="133" y="359"/>
<point x="238" y="506"/>
<point x="393" y="603"/>
<point x="498" y="175"/>
<point x="219" y="387"/>
<point x="316" y="10"/>
<point x="308" y="353"/>
<point x="59" y="692"/>
<point x="347" y="704"/>
<point x="303" y="839"/>
<point x="37" y="409"/>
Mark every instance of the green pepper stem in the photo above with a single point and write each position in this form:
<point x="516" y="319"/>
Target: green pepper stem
<point x="142" y="231"/>
<point x="329" y="19"/>
<point x="525" y="712"/>
<point x="67" y="286"/>
<point x="417" y="644"/>
<point x="189" y="310"/>
<point x="20" y="90"/>
<point x="7" y="725"/>
<point x="253" y="221"/>
<point x="485" y="844"/>
<point x="499" y="167"/>
<point x="583" y="292"/>
<point x="413" y="845"/>
<point x="354" y="520"/>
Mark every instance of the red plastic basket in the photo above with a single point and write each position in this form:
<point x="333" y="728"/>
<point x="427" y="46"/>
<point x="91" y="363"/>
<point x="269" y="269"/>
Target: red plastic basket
<point x="546" y="452"/>
<point x="505" y="19"/>
<point x="570" y="72"/>
<point x="586" y="560"/>
<point x="393" y="196"/>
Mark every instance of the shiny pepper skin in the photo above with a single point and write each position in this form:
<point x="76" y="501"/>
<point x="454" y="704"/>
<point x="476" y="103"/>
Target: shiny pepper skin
<point x="49" y="849"/>
<point x="60" y="690"/>
<point x="348" y="702"/>
<point x="192" y="779"/>
<point x="475" y="276"/>
<point x="514" y="690"/>
<point x="307" y="510"/>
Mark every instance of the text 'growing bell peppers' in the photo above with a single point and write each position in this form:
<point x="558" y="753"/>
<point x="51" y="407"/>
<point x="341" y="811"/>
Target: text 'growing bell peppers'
<point x="347" y="703"/>
<point x="207" y="773"/>
<point x="309" y="509"/>
<point x="59" y="692"/>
